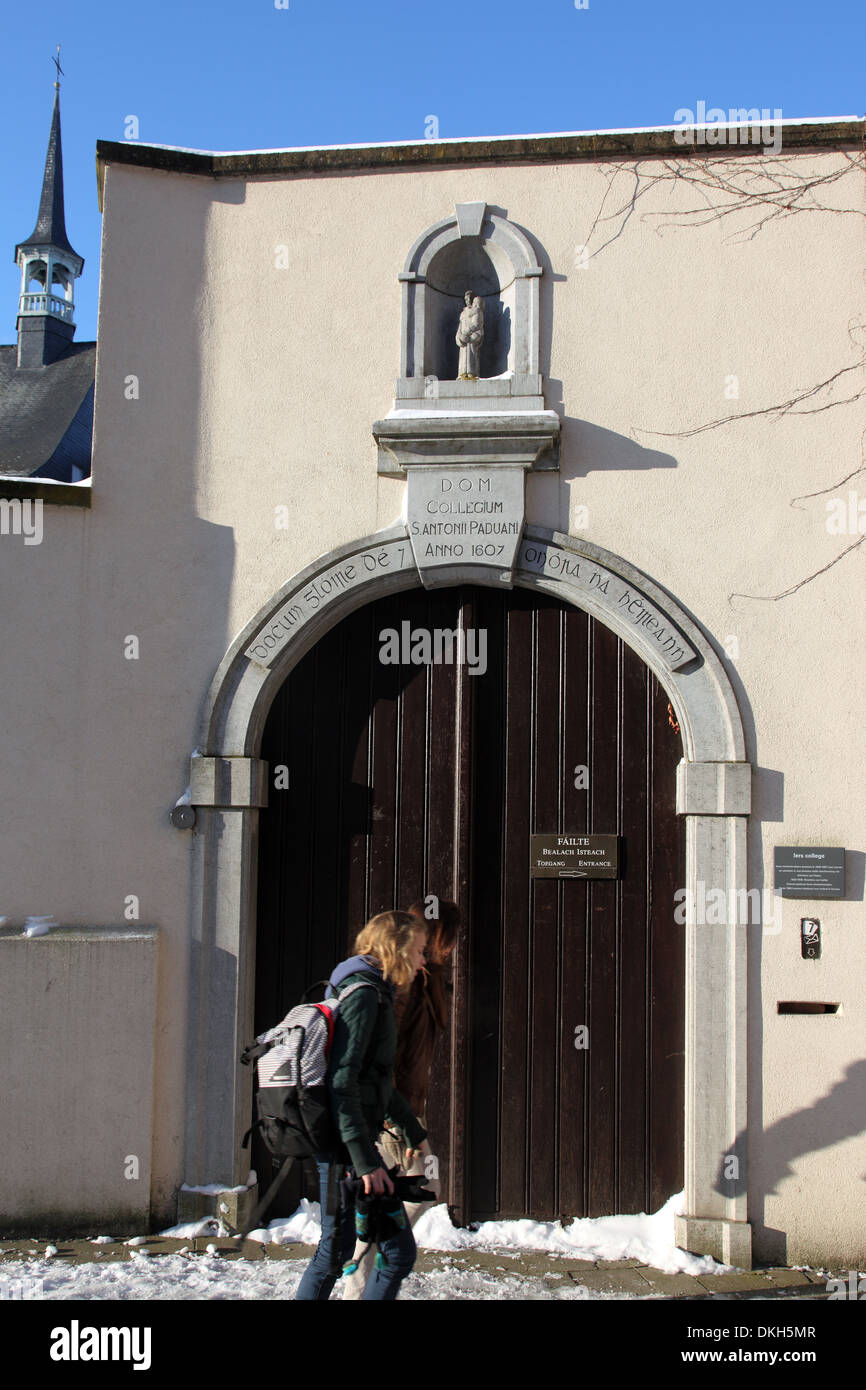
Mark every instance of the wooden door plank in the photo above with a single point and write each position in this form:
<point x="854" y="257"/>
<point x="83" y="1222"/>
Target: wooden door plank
<point x="603" y="925"/>
<point x="486" y="913"/>
<point x="382" y="849"/>
<point x="446" y="1104"/>
<point x="633" y="1046"/>
<point x="412" y="779"/>
<point x="515" y="985"/>
<point x="356" y="807"/>
<point x="667" y="962"/>
<point x="574" y="1070"/>
<point x="463" y="980"/>
<point x="546" y="897"/>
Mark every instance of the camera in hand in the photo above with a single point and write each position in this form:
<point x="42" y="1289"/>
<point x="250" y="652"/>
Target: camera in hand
<point x="410" y="1188"/>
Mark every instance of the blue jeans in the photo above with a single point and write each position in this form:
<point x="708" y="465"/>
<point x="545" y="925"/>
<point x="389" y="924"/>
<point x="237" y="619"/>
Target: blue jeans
<point x="338" y="1243"/>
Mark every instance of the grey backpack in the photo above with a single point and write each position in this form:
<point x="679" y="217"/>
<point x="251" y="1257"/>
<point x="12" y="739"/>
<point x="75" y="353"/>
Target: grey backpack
<point x="294" y="1114"/>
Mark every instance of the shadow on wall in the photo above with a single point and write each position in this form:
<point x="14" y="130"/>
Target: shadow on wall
<point x="161" y="539"/>
<point x="839" y="1115"/>
<point x="132" y="598"/>
<point x="588" y="448"/>
<point x="554" y="499"/>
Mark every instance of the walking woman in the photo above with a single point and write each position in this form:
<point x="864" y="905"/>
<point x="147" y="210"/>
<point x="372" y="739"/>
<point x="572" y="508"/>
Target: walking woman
<point x="389" y="951"/>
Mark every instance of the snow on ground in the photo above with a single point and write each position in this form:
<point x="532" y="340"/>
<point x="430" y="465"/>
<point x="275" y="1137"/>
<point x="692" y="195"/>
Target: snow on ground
<point x="195" y="1277"/>
<point x="185" y="1275"/>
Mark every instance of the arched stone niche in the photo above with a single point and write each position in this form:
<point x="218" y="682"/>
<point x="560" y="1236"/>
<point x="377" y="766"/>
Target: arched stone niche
<point x="478" y="250"/>
<point x="467" y="264"/>
<point x="436" y="418"/>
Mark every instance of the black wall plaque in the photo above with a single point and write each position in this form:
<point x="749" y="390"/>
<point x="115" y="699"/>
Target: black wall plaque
<point x="574" y="856"/>
<point x="809" y="871"/>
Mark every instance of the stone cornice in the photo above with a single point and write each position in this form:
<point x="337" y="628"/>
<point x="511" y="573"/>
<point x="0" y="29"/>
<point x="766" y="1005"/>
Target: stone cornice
<point x="527" y="439"/>
<point x="509" y="149"/>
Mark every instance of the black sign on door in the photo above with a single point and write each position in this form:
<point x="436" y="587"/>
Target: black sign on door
<point x="574" y="856"/>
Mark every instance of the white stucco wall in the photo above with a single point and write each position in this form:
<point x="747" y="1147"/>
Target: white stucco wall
<point x="257" y="387"/>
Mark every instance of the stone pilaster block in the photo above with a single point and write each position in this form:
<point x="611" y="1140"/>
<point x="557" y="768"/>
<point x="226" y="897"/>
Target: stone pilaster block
<point x="730" y="1242"/>
<point x="714" y="789"/>
<point x="231" y="1205"/>
<point x="228" y="782"/>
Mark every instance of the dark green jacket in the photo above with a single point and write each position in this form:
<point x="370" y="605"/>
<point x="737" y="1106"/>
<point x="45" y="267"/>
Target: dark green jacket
<point x="361" y="1072"/>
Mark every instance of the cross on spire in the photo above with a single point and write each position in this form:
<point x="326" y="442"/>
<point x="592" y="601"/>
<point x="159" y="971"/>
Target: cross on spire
<point x="56" y="62"/>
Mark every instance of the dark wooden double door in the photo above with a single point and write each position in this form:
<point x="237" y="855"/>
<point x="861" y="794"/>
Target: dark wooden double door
<point x="410" y="780"/>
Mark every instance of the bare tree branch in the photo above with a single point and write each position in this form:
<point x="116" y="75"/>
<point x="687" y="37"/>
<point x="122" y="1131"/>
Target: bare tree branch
<point x="822" y="491"/>
<point x="785" y="408"/>
<point x="774" y="598"/>
<point x="727" y="187"/>
<point x="774" y="190"/>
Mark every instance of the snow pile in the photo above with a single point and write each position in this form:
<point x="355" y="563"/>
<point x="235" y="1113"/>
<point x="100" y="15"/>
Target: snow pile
<point x="304" y="1227"/>
<point x="649" y="1239"/>
<point x="206" y="1226"/>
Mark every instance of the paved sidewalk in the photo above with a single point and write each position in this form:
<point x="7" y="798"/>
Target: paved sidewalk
<point x="623" y="1278"/>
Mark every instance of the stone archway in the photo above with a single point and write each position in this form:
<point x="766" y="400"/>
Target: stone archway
<point x="228" y="786"/>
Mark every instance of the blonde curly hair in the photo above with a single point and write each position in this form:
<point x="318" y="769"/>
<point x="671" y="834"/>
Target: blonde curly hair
<point x="388" y="936"/>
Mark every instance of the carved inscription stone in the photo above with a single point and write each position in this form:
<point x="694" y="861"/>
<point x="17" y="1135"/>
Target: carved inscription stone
<point x="611" y="592"/>
<point x="465" y="516"/>
<point x="459" y="519"/>
<point x="317" y="593"/>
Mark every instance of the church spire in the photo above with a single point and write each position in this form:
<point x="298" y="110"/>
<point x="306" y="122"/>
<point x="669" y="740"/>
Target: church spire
<point x="49" y="265"/>
<point x="50" y="226"/>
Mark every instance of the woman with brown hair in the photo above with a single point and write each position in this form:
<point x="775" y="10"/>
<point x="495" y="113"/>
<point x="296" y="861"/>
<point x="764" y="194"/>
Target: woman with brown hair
<point x="388" y="953"/>
<point x="423" y="1007"/>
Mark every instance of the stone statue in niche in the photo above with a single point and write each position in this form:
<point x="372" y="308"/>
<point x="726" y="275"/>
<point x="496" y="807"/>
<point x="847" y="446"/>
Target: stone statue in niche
<point x="470" y="334"/>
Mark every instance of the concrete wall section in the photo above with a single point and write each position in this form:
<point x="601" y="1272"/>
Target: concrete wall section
<point x="77" y="1013"/>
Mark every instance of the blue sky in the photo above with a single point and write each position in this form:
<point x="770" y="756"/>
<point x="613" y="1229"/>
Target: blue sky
<point x="243" y="74"/>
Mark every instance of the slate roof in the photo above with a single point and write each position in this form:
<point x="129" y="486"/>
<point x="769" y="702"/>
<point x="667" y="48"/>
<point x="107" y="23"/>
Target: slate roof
<point x="46" y="414"/>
